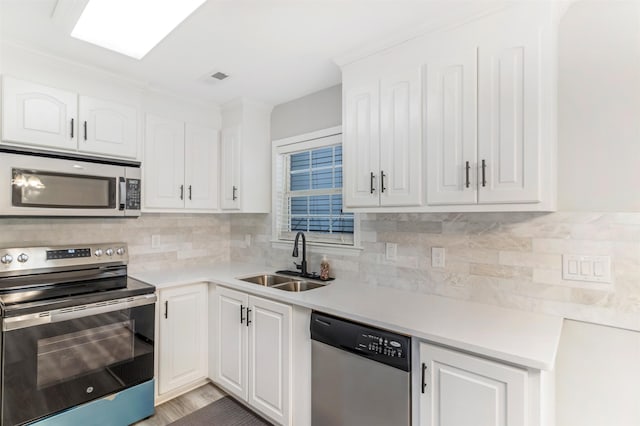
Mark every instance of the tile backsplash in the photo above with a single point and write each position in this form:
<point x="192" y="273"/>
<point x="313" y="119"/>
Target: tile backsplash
<point x="507" y="259"/>
<point x="183" y="239"/>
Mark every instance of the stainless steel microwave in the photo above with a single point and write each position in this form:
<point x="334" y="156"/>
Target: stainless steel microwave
<point x="37" y="184"/>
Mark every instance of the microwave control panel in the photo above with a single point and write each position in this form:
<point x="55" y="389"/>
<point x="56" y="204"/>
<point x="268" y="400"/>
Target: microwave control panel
<point x="133" y="194"/>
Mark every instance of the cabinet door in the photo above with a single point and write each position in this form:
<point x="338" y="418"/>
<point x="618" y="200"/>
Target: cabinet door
<point x="269" y="360"/>
<point x="400" y="139"/>
<point x="39" y="115"/>
<point x="509" y="119"/>
<point x="361" y="146"/>
<point x="465" y="390"/>
<point x="231" y="350"/>
<point x="164" y="163"/>
<point x="108" y="128"/>
<point x="230" y="168"/>
<point x="202" y="156"/>
<point x="183" y="336"/>
<point x="451" y="103"/>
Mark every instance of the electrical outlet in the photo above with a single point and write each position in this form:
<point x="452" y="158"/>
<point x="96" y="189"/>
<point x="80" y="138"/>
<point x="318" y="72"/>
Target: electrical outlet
<point x="586" y="268"/>
<point x="437" y="257"/>
<point x="155" y="241"/>
<point x="391" y="251"/>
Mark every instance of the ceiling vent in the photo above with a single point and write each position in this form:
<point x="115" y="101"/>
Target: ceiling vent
<point x="219" y="75"/>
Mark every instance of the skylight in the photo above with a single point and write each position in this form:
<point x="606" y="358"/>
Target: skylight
<point x="131" y="27"/>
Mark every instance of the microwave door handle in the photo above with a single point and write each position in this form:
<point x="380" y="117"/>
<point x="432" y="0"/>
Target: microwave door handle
<point x="122" y="194"/>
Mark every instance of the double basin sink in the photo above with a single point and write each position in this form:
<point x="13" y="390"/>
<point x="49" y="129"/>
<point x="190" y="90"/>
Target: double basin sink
<point x="284" y="283"/>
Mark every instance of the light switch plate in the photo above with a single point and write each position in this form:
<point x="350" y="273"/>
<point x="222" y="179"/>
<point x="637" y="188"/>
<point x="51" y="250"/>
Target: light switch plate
<point x="437" y="257"/>
<point x="586" y="268"/>
<point x="391" y="251"/>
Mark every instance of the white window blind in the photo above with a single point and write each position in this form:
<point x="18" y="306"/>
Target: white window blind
<point x="309" y="197"/>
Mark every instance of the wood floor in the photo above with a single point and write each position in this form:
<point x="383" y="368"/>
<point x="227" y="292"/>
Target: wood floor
<point x="179" y="407"/>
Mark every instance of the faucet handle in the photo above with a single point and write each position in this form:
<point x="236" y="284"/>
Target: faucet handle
<point x="298" y="265"/>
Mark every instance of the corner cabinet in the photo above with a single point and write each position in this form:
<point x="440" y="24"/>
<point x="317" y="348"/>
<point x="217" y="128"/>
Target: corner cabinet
<point x="382" y="138"/>
<point x="460" y="389"/>
<point x="253" y="351"/>
<point x="180" y="166"/>
<point x="182" y="355"/>
<point x="42" y="116"/>
<point x="245" y="178"/>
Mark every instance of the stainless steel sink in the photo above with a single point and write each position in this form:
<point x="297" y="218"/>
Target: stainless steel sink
<point x="298" y="286"/>
<point x="282" y="282"/>
<point x="266" y="280"/>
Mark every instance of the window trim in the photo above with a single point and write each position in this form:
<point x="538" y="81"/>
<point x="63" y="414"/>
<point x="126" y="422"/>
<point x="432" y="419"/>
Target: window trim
<point x="304" y="142"/>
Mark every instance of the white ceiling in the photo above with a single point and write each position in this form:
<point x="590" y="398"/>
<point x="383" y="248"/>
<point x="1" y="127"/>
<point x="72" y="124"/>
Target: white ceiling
<point x="274" y="50"/>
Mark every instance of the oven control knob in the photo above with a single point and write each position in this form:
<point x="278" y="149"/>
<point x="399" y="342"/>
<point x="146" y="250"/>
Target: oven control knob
<point x="108" y="252"/>
<point x="120" y="251"/>
<point x="22" y="258"/>
<point x="6" y="259"/>
<point x="98" y="252"/>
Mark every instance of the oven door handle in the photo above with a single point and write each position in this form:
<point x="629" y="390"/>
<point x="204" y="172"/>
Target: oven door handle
<point x="65" y="314"/>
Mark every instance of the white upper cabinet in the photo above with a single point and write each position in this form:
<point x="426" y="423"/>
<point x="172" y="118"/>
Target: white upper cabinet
<point x="451" y="132"/>
<point x="361" y="145"/>
<point x="202" y="157"/>
<point x="230" y="167"/>
<point x="33" y="114"/>
<point x="163" y="163"/>
<point x="41" y="116"/>
<point x="245" y="178"/>
<point x="511" y="126"/>
<point x="108" y="128"/>
<point x="456" y="120"/>
<point x="180" y="165"/>
<point x="382" y="141"/>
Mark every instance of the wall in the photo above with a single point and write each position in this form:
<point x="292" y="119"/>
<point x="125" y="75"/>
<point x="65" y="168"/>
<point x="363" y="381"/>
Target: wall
<point x="317" y="111"/>
<point x="599" y="106"/>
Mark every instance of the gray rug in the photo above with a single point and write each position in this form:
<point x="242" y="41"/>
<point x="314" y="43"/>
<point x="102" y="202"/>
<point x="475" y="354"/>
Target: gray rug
<point x="223" y="412"/>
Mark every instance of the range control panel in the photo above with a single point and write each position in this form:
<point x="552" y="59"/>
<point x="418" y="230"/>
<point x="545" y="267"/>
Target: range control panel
<point x="373" y="343"/>
<point x="35" y="258"/>
<point x="68" y="253"/>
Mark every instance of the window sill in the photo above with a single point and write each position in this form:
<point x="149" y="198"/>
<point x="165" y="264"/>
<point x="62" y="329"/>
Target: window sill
<point x="320" y="248"/>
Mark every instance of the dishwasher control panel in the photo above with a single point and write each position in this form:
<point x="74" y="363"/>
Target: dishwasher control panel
<point x="370" y="342"/>
<point x="378" y="344"/>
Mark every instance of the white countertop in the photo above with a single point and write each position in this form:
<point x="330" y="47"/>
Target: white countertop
<point x="522" y="338"/>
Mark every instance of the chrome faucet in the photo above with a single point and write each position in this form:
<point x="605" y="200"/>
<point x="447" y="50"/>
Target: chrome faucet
<point x="303" y="265"/>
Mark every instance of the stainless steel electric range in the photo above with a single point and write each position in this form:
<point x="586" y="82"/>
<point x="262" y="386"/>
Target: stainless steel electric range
<point x="75" y="329"/>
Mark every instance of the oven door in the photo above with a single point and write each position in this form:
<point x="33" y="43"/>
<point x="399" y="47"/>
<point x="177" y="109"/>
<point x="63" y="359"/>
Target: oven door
<point x="56" y="360"/>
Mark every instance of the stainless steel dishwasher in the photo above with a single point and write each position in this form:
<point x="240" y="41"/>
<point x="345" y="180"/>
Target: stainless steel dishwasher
<point x="360" y="375"/>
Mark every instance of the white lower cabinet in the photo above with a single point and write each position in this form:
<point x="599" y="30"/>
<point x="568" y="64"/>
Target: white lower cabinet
<point x="182" y="318"/>
<point x="253" y="351"/>
<point x="458" y="389"/>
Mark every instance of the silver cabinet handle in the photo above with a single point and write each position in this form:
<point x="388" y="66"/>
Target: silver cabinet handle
<point x="190" y="192"/>
<point x="85" y="130"/>
<point x="72" y="126"/>
<point x="166" y="309"/>
<point x="234" y="194"/>
<point x="182" y="192"/>
<point x="382" y="175"/>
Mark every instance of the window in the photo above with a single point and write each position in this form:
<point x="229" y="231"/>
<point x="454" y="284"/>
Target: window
<point x="308" y="192"/>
